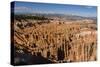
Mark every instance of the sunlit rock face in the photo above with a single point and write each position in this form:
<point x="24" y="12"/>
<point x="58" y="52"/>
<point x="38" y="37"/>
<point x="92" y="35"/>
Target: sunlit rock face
<point x="54" y="41"/>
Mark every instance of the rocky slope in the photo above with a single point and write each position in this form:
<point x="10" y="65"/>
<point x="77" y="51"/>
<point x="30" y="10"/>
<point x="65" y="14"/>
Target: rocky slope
<point x="54" y="42"/>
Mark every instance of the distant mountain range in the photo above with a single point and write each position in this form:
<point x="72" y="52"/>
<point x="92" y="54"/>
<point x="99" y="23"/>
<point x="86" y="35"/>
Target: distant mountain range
<point x="63" y="16"/>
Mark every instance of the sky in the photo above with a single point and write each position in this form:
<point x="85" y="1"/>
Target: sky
<point x="32" y="7"/>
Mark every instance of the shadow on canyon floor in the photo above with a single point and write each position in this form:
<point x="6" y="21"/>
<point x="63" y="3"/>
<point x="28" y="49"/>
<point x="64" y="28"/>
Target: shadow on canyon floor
<point x="28" y="59"/>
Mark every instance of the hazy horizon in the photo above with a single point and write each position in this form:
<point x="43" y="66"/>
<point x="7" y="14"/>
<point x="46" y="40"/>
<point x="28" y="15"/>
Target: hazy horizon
<point x="48" y="8"/>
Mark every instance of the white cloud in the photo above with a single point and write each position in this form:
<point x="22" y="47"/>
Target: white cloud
<point x="23" y="8"/>
<point x="89" y="7"/>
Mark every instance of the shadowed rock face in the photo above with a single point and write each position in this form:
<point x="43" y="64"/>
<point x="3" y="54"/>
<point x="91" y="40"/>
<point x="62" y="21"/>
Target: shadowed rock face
<point x="28" y="59"/>
<point x="40" y="43"/>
